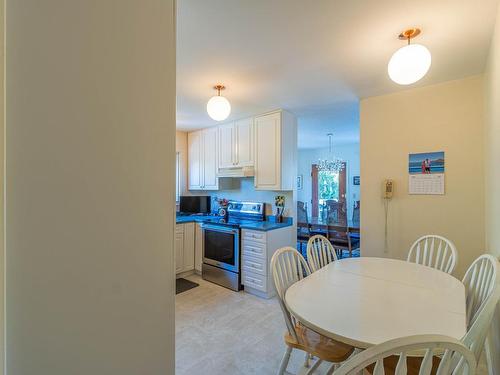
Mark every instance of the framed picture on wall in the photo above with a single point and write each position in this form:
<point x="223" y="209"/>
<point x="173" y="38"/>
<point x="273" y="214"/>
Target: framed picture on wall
<point x="355" y="180"/>
<point x="300" y="180"/>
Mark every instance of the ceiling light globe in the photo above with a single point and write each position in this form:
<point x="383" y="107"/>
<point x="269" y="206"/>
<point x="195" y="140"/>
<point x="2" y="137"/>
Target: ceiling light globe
<point x="218" y="108"/>
<point x="409" y="64"/>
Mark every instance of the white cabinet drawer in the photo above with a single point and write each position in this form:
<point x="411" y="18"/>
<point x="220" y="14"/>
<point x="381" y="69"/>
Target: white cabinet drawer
<point x="179" y="228"/>
<point x="252" y="264"/>
<point x="254" y="249"/>
<point x="253" y="235"/>
<point x="254" y="280"/>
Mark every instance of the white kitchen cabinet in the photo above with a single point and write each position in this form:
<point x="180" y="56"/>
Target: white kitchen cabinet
<point x="184" y="247"/>
<point x="198" y="248"/>
<point x="236" y="144"/>
<point x="202" y="160"/>
<point x="257" y="249"/>
<point x="227" y="145"/>
<point x="179" y="248"/>
<point x="210" y="179"/>
<point x="275" y="151"/>
<point x="195" y="160"/>
<point x="244" y="142"/>
<point x="188" y="255"/>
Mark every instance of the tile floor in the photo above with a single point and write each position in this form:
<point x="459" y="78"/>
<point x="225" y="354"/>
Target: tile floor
<point x="219" y="331"/>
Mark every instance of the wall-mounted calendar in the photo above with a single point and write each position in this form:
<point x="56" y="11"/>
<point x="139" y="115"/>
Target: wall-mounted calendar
<point x="426" y="173"/>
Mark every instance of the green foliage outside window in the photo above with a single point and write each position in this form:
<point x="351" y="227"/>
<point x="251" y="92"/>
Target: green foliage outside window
<point x="328" y="185"/>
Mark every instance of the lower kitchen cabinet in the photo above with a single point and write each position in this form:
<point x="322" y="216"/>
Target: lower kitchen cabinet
<point x="257" y="249"/>
<point x="184" y="247"/>
<point x="198" y="248"/>
<point x="179" y="248"/>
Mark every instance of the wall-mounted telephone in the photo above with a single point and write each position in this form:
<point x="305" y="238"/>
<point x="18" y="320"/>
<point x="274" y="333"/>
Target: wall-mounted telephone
<point x="388" y="189"/>
<point x="387" y="192"/>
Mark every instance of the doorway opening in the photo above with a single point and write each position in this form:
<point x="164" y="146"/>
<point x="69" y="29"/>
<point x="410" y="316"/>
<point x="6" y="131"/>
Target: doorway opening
<point x="327" y="187"/>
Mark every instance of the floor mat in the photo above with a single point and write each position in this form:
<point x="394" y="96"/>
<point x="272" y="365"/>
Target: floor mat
<point x="181" y="285"/>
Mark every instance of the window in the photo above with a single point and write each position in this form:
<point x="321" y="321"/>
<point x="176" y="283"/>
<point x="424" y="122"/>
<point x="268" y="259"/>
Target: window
<point x="177" y="178"/>
<point x="327" y="186"/>
<point x="328" y="189"/>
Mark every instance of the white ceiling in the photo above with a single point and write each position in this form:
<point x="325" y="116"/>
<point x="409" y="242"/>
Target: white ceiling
<point x="316" y="58"/>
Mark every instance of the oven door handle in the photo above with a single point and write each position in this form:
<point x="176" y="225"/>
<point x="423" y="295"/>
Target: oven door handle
<point x="218" y="228"/>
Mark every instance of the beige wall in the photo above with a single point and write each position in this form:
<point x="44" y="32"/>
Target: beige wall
<point x="90" y="157"/>
<point x="492" y="143"/>
<point x="445" y="117"/>
<point x="492" y="170"/>
<point x="2" y="182"/>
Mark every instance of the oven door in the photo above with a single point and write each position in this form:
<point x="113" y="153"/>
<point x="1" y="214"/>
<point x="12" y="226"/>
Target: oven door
<point x="221" y="247"/>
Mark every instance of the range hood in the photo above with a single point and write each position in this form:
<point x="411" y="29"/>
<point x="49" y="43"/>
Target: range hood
<point x="236" y="172"/>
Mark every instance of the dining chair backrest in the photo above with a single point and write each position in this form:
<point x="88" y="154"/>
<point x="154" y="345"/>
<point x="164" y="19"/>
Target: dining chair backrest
<point x="434" y="251"/>
<point x="336" y="212"/>
<point x="302" y="212"/>
<point x="482" y="287"/>
<point x="320" y="252"/>
<point x="355" y="213"/>
<point x="288" y="266"/>
<point x="455" y="357"/>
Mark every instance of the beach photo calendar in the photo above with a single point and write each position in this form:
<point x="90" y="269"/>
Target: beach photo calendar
<point x="426" y="173"/>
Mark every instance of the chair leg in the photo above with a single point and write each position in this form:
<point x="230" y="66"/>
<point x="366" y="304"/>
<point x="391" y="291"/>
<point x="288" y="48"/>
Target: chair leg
<point x="314" y="367"/>
<point x="306" y="360"/>
<point x="285" y="360"/>
<point x="332" y="369"/>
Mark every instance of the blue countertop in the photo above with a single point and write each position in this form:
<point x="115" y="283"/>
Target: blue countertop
<point x="190" y="219"/>
<point x="267" y="225"/>
<point x="264" y="226"/>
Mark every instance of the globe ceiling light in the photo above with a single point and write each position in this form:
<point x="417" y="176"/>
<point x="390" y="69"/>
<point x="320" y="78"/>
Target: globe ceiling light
<point x="410" y="63"/>
<point x="218" y="107"/>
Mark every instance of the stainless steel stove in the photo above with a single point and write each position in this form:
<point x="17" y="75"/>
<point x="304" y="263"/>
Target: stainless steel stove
<point x="221" y="243"/>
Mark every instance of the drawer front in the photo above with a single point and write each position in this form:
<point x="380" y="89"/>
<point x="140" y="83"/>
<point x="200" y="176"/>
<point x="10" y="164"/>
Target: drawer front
<point x="254" y="235"/>
<point x="254" y="249"/>
<point x="255" y="281"/>
<point x="252" y="264"/>
<point x="179" y="228"/>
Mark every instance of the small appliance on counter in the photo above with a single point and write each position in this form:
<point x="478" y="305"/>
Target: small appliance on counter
<point x="222" y="211"/>
<point x="221" y="243"/>
<point x="194" y="205"/>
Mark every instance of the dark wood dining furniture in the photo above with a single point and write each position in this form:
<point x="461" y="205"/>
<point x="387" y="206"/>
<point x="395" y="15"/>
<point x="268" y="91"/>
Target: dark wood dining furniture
<point x="343" y="235"/>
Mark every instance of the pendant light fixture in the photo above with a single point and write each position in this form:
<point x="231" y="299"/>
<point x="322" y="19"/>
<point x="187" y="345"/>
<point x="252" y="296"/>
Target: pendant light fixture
<point x="218" y="107"/>
<point x="410" y="63"/>
<point x="332" y="164"/>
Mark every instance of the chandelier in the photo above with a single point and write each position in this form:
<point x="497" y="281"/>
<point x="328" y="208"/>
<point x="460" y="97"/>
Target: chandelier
<point x="333" y="164"/>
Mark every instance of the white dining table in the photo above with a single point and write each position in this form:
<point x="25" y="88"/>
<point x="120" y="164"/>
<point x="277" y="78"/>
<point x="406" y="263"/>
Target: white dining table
<point x="366" y="301"/>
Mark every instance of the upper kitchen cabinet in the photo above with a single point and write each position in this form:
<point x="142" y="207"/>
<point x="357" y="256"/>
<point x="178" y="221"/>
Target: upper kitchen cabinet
<point x="227" y="148"/>
<point x="244" y="142"/>
<point x="236" y="148"/>
<point x="202" y="159"/>
<point x="275" y="151"/>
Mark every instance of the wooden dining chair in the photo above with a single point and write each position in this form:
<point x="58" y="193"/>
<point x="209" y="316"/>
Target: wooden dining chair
<point x="288" y="267"/>
<point x="434" y="251"/>
<point x="455" y="358"/>
<point x="337" y="229"/>
<point x="320" y="252"/>
<point x="482" y="286"/>
<point x="355" y="213"/>
<point x="303" y="226"/>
